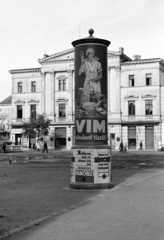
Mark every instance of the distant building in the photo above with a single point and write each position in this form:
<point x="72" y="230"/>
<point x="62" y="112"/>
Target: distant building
<point x="135" y="99"/>
<point x="5" y="118"/>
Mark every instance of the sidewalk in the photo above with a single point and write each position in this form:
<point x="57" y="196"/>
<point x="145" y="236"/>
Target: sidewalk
<point x="34" y="188"/>
<point x="133" y="210"/>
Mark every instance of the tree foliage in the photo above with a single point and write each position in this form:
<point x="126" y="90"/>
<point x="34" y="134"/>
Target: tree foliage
<point x="36" y="126"/>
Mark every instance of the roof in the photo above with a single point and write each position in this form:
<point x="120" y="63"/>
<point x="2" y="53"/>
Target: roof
<point x="68" y="56"/>
<point x="7" y="100"/>
<point x="144" y="61"/>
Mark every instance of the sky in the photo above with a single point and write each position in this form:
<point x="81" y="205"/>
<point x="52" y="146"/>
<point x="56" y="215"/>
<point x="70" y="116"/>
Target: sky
<point x="31" y="28"/>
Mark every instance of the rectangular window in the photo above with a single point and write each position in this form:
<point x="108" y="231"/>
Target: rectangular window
<point x="112" y="135"/>
<point x="148" y="107"/>
<point x="131" y="108"/>
<point x="20" y="87"/>
<point x="33" y="111"/>
<point x="33" y="86"/>
<point x="148" y="80"/>
<point x="62" y="85"/>
<point x="19" y="111"/>
<point x="62" y="112"/>
<point x="131" y="80"/>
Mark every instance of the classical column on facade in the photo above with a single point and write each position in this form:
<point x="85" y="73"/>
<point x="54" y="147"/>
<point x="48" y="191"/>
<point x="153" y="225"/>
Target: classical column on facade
<point x="109" y="110"/>
<point x="114" y="103"/>
<point x="42" y="92"/>
<point x="12" y="137"/>
<point x="52" y="110"/>
<point x="13" y="85"/>
<point x="118" y="90"/>
<point x="70" y="91"/>
<point x="27" y="89"/>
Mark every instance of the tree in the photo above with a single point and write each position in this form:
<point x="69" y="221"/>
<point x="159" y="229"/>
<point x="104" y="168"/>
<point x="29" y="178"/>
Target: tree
<point x="37" y="126"/>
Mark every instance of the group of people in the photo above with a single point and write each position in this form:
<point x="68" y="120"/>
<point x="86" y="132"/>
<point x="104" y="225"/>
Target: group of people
<point x="38" y="147"/>
<point x="123" y="147"/>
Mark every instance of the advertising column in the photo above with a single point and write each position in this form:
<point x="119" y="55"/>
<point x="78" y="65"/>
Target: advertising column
<point x="91" y="154"/>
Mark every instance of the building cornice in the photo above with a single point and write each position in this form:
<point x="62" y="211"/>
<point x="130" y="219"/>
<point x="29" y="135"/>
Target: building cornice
<point x="18" y="101"/>
<point x="27" y="70"/>
<point x="140" y="123"/>
<point x="33" y="101"/>
<point x="148" y="96"/>
<point x="118" y="55"/>
<point x="143" y="61"/>
<point x="61" y="77"/>
<point x="62" y="99"/>
<point x="68" y="60"/>
<point x="132" y="96"/>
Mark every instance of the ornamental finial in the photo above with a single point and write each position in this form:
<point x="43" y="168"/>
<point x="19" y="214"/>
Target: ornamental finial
<point x="91" y="32"/>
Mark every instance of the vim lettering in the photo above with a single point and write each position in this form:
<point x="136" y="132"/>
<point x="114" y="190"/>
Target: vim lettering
<point x="91" y="125"/>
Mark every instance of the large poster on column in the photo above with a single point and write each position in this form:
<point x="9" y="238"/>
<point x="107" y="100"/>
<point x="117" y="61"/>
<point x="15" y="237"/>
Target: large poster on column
<point x="91" y="94"/>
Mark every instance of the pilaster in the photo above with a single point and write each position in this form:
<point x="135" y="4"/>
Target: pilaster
<point x="118" y="88"/>
<point x="52" y="76"/>
<point x="70" y="91"/>
<point x="42" y="92"/>
<point x="108" y="87"/>
<point x="12" y="85"/>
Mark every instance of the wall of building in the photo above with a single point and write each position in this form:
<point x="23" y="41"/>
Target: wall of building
<point x="48" y="96"/>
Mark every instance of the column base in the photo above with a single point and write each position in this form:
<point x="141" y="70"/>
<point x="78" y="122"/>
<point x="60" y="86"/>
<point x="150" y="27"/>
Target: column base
<point x="91" y="186"/>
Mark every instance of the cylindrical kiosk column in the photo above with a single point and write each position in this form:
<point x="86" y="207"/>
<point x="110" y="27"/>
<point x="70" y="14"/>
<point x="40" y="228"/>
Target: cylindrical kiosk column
<point x="91" y="155"/>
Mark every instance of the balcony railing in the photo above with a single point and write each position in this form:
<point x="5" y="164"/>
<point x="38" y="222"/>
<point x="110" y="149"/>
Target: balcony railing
<point x="18" y="121"/>
<point x="141" y="118"/>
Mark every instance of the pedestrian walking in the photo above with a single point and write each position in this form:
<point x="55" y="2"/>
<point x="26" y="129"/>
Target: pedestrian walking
<point x="141" y="145"/>
<point x="121" y="147"/>
<point x="3" y="147"/>
<point x="38" y="145"/>
<point x="125" y="148"/>
<point x="33" y="146"/>
<point x="45" y="148"/>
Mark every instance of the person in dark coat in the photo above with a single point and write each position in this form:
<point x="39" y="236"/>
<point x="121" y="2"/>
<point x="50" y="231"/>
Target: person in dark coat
<point x="121" y="147"/>
<point x="141" y="145"/>
<point x="3" y="147"/>
<point x="45" y="148"/>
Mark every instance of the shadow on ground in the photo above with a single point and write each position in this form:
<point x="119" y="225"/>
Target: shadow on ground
<point x="32" y="191"/>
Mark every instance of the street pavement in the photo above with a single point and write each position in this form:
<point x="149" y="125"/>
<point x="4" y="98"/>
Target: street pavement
<point x="133" y="209"/>
<point x="133" y="159"/>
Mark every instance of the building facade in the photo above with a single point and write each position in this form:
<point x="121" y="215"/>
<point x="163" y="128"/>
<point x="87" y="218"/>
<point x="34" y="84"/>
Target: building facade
<point x="135" y="99"/>
<point x="5" y="118"/>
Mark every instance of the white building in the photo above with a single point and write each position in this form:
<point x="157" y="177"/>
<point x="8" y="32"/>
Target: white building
<point x="135" y="99"/>
<point x="5" y="118"/>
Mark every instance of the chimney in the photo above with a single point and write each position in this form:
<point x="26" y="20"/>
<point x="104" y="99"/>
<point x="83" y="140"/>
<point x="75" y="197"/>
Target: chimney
<point x="121" y="49"/>
<point x="45" y="55"/>
<point x="136" y="57"/>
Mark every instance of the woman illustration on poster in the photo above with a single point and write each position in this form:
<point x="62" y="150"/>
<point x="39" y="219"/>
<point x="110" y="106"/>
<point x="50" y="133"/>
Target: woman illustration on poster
<point x="93" y="72"/>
